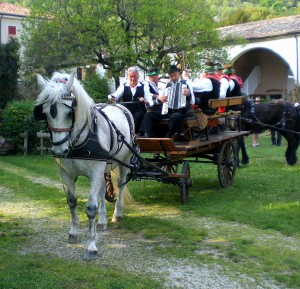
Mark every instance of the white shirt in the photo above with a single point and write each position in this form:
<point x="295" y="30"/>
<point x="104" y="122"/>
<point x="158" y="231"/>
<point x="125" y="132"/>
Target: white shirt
<point x="231" y="84"/>
<point x="192" y="96"/>
<point x="203" y="84"/>
<point x="147" y="95"/>
<point x="150" y="83"/>
<point x="224" y="85"/>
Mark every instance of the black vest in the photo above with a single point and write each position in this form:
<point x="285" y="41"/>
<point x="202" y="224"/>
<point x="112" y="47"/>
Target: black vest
<point x="134" y="105"/>
<point x="152" y="89"/>
<point x="236" y="90"/>
<point x="205" y="96"/>
<point x="127" y="95"/>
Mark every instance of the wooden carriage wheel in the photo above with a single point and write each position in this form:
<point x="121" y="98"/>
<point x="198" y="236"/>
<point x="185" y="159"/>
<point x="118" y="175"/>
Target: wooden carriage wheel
<point x="227" y="163"/>
<point x="170" y="168"/>
<point x="110" y="193"/>
<point x="185" y="183"/>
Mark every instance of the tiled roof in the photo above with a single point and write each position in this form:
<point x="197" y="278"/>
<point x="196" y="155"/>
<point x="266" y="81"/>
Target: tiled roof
<point x="12" y="9"/>
<point x="263" y="28"/>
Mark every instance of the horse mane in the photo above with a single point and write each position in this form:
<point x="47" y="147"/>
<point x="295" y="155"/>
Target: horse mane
<point x="280" y="101"/>
<point x="84" y="104"/>
<point x="55" y="89"/>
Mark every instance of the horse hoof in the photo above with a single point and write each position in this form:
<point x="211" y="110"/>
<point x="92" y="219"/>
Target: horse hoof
<point x="245" y="162"/>
<point x="90" y="255"/>
<point x="101" y="227"/>
<point x="117" y="219"/>
<point x="74" y="239"/>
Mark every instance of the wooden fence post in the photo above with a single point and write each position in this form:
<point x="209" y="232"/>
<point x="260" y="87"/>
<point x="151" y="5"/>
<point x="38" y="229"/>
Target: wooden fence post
<point x="24" y="148"/>
<point x="42" y="135"/>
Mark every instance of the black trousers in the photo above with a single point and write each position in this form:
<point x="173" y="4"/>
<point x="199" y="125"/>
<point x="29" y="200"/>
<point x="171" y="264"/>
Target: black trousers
<point x="138" y="118"/>
<point x="273" y="137"/>
<point x="152" y="117"/>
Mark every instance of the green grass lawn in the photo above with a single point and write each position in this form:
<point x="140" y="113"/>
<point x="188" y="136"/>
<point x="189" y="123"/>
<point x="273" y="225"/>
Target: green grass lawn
<point x="250" y="229"/>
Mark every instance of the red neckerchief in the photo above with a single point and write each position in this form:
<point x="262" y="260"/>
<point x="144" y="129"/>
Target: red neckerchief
<point x="214" y="76"/>
<point x="224" y="76"/>
<point x="238" y="79"/>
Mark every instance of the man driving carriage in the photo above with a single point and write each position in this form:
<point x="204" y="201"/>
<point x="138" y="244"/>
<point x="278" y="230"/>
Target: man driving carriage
<point x="135" y="95"/>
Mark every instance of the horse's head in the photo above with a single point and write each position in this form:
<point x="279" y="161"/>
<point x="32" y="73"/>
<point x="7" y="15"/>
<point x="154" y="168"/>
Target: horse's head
<point x="56" y="104"/>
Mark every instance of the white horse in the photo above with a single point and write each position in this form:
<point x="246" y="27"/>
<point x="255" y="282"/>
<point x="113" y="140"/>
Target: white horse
<point x="86" y="141"/>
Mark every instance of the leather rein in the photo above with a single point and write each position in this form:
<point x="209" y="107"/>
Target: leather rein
<point x="279" y="126"/>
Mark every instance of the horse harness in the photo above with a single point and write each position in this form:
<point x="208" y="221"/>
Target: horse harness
<point x="251" y="118"/>
<point x="90" y="148"/>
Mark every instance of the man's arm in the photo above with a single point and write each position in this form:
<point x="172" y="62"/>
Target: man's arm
<point x="117" y="94"/>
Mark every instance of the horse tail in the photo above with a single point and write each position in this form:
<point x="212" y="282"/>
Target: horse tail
<point x="127" y="197"/>
<point x="297" y="129"/>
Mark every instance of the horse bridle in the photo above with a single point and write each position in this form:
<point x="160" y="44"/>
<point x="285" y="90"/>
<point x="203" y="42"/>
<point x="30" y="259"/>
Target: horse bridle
<point x="251" y="118"/>
<point x="68" y="129"/>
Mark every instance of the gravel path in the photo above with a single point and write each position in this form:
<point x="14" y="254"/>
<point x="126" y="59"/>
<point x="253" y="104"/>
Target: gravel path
<point x="134" y="253"/>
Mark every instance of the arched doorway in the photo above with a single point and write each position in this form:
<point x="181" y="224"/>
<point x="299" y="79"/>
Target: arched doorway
<point x="265" y="73"/>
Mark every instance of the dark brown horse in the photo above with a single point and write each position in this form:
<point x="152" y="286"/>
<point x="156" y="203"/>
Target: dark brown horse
<point x="278" y="115"/>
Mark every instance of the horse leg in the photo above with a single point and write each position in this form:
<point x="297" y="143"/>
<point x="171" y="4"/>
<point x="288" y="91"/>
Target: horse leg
<point x="242" y="147"/>
<point x="291" y="151"/>
<point x="238" y="148"/>
<point x="74" y="230"/>
<point x="69" y="186"/>
<point x="245" y="157"/>
<point x="118" y="176"/>
<point x="102" y="221"/>
<point x="96" y="179"/>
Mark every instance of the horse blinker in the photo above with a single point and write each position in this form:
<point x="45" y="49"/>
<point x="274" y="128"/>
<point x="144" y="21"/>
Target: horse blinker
<point x="53" y="110"/>
<point x="38" y="112"/>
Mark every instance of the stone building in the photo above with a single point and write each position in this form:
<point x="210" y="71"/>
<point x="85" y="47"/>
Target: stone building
<point x="11" y="17"/>
<point x="268" y="61"/>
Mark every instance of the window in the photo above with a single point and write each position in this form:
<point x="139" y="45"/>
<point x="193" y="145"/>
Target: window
<point x="12" y="30"/>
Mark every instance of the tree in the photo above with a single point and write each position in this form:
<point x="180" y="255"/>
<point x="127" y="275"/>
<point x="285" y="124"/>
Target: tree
<point x="9" y="59"/>
<point x="116" y="33"/>
<point x="247" y="14"/>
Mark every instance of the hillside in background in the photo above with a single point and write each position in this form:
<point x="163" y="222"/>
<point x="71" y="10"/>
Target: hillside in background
<point x="239" y="11"/>
<point x="230" y="12"/>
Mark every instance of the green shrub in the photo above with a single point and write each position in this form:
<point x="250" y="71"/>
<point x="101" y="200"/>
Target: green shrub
<point x="9" y="59"/>
<point x="96" y="86"/>
<point x="17" y="117"/>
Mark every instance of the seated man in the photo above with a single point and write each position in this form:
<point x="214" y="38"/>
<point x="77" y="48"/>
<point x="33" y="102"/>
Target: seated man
<point x="136" y="93"/>
<point x="224" y="82"/>
<point x="236" y="83"/>
<point x="207" y="87"/>
<point x="173" y="104"/>
<point x="152" y="81"/>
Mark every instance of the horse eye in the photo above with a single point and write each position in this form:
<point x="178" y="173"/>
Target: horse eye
<point x="70" y="113"/>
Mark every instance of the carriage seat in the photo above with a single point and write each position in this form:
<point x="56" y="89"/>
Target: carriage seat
<point x="223" y="108"/>
<point x="198" y="120"/>
<point x="192" y="126"/>
<point x="230" y="105"/>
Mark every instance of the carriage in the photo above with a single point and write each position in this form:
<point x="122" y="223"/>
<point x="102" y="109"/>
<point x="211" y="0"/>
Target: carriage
<point x="168" y="160"/>
<point x="221" y="149"/>
<point x="98" y="140"/>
